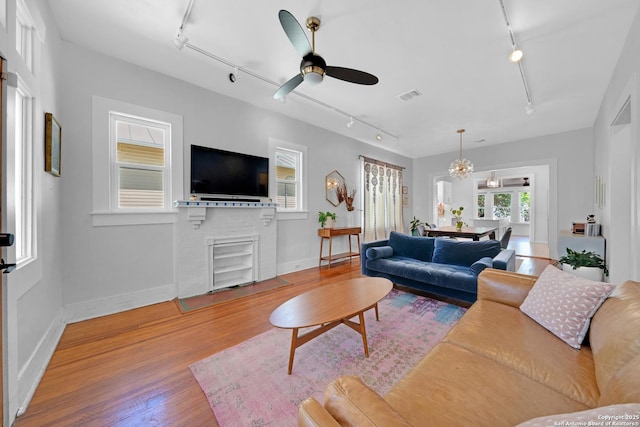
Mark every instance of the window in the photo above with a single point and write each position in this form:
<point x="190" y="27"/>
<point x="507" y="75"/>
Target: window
<point x="480" y="205"/>
<point x="137" y="163"/>
<point x="140" y="170"/>
<point x="24" y="34"/>
<point x="24" y="221"/>
<point x="288" y="178"/>
<point x="524" y="199"/>
<point x="502" y="206"/>
<point x="288" y="172"/>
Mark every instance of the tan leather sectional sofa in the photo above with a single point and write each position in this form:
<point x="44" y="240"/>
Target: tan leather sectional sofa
<point x="498" y="367"/>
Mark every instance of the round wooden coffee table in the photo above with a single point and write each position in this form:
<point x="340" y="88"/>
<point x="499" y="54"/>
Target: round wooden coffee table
<point x="329" y="306"/>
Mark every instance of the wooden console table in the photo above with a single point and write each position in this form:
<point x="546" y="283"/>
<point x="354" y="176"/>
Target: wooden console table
<point x="330" y="233"/>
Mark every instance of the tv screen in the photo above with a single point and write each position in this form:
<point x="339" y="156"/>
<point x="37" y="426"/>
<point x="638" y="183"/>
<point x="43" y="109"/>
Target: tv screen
<point x="222" y="172"/>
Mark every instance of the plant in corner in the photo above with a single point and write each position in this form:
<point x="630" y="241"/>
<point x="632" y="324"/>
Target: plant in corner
<point x="324" y="216"/>
<point x="589" y="262"/>
<point x="415" y="222"/>
<point x="457" y="214"/>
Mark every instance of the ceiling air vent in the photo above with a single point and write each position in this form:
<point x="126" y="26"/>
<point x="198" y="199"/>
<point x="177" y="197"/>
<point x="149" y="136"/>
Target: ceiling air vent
<point x="410" y="94"/>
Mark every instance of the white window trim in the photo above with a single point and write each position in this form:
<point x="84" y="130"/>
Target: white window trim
<point x="26" y="199"/>
<point x="515" y="202"/>
<point x="104" y="213"/>
<point x="289" y="214"/>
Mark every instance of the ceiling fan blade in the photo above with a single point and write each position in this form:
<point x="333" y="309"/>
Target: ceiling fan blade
<point x="351" y="75"/>
<point x="288" y="86"/>
<point x="294" y="32"/>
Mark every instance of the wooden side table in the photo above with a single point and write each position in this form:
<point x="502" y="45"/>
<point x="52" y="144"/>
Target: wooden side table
<point x="330" y="233"/>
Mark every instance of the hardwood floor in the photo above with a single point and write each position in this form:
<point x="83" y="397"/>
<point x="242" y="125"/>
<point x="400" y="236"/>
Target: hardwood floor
<point x="132" y="368"/>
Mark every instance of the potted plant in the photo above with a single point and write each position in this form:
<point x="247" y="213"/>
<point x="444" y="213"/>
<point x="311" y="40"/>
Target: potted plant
<point x="457" y="214"/>
<point x="588" y="265"/>
<point x="415" y="222"/>
<point x="328" y="218"/>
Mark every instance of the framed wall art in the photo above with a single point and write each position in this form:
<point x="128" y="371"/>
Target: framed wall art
<point x="52" y="144"/>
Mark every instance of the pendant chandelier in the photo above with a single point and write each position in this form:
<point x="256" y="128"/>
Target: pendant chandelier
<point x="493" y="182"/>
<point x="460" y="168"/>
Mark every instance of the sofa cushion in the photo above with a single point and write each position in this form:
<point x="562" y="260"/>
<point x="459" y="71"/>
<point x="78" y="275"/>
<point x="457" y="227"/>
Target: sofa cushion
<point x="443" y="275"/>
<point x="453" y="386"/>
<point x="514" y="340"/>
<point x="624" y="414"/>
<point x="416" y="247"/>
<point x="564" y="303"/>
<point x="380" y="252"/>
<point x="481" y="264"/>
<point x="465" y="253"/>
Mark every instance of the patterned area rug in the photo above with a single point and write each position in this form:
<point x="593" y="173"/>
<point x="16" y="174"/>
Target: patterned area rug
<point x="248" y="385"/>
<point x="197" y="302"/>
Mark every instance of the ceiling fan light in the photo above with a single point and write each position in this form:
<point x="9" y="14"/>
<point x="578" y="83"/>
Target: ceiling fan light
<point x="516" y="55"/>
<point x="312" y="74"/>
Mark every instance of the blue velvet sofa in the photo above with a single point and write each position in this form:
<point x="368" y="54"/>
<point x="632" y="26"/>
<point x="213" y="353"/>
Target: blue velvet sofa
<point x="445" y="267"/>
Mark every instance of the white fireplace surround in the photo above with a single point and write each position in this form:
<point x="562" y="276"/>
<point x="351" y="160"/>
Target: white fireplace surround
<point x="203" y="224"/>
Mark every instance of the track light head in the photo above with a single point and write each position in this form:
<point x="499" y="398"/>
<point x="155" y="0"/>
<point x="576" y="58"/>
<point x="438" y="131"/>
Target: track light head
<point x="379" y="135"/>
<point x="350" y="122"/>
<point x="516" y="55"/>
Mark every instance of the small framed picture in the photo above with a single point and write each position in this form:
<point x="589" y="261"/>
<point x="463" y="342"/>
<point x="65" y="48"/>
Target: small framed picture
<point x="52" y="144"/>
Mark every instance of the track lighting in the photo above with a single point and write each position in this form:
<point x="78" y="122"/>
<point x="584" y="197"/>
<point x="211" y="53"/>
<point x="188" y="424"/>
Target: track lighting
<point x="379" y="135"/>
<point x="350" y="122"/>
<point x="233" y="76"/>
<point x="180" y="40"/>
<point x="516" y="55"/>
<point x="529" y="109"/>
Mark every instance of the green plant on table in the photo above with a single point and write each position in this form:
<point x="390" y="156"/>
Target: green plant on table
<point x="323" y="216"/>
<point x="457" y="214"/>
<point x="583" y="259"/>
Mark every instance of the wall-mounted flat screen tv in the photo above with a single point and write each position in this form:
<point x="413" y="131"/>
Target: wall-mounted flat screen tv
<point x="219" y="172"/>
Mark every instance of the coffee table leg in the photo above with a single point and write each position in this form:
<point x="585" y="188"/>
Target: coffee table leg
<point x="377" y="315"/>
<point x="363" y="331"/>
<point x="294" y="344"/>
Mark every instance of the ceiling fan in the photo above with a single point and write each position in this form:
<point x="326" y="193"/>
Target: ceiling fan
<point x="313" y="67"/>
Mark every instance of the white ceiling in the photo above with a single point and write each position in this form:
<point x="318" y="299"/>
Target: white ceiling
<point x="453" y="51"/>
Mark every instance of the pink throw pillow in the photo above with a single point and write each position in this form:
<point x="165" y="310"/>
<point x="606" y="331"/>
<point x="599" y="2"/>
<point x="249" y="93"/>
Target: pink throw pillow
<point x="564" y="303"/>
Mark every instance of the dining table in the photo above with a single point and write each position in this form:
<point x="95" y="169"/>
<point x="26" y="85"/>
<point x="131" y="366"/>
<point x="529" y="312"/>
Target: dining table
<point x="474" y="233"/>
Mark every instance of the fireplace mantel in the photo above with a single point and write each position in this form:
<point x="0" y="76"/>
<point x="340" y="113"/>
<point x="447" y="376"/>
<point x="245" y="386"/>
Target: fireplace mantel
<point x="197" y="210"/>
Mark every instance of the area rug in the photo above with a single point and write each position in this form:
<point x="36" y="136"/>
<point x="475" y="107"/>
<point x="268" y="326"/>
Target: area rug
<point x="223" y="295"/>
<point x="248" y="385"/>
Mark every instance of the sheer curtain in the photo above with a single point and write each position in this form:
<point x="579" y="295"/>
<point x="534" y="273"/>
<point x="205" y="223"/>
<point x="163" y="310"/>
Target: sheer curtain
<point x="382" y="193"/>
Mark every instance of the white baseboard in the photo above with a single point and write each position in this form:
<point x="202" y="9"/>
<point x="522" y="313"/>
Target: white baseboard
<point x="30" y="375"/>
<point x="297" y="265"/>
<point x="115" y="304"/>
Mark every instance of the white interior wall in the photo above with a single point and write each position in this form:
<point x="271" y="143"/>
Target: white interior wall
<point x="623" y="84"/>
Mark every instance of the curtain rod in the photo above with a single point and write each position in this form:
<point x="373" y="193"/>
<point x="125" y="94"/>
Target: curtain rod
<point x="380" y="162"/>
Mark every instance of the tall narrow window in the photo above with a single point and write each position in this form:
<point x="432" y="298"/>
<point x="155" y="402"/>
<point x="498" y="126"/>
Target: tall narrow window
<point x="24" y="174"/>
<point x="524" y="206"/>
<point x="140" y="170"/>
<point x="288" y="179"/>
<point x="480" y="205"/>
<point x="24" y="33"/>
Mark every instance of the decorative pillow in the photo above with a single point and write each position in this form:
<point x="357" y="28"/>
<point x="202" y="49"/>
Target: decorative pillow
<point x="481" y="264"/>
<point x="379" y="252"/>
<point x="564" y="303"/>
<point x="464" y="253"/>
<point x="620" y="414"/>
<point x="415" y="247"/>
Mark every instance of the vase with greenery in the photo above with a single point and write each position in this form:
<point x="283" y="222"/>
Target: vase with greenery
<point x="323" y="217"/>
<point x="584" y="261"/>
<point x="415" y="222"/>
<point x="457" y="214"/>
